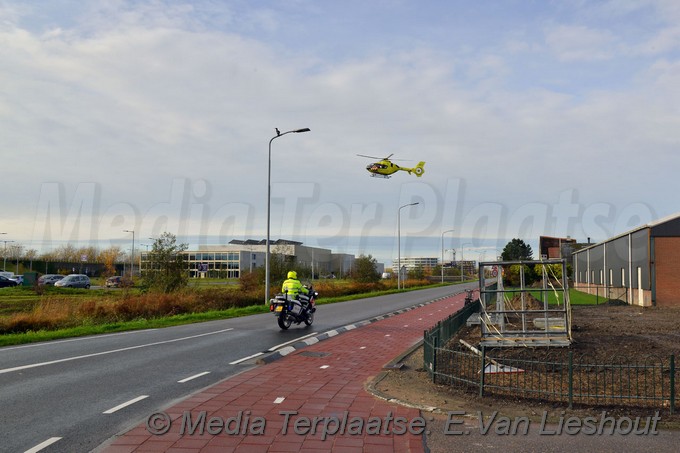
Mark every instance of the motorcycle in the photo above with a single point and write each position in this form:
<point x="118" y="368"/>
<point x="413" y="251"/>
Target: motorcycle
<point x="289" y="310"/>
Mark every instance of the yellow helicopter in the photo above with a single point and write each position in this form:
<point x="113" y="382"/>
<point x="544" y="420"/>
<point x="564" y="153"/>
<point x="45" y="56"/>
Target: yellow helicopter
<point x="385" y="167"/>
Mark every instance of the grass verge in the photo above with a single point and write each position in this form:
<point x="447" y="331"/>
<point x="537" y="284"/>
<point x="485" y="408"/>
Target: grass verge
<point x="88" y="328"/>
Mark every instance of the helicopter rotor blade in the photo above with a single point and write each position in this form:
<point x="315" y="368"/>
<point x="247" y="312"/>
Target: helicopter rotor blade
<point x="375" y="157"/>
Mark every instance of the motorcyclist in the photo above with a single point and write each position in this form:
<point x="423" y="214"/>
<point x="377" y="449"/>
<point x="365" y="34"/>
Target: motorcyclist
<point x="292" y="287"/>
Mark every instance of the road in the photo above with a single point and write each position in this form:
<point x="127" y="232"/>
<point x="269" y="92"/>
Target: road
<point x="72" y="395"/>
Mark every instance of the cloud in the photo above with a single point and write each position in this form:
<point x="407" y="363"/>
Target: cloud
<point x="580" y="43"/>
<point x="149" y="101"/>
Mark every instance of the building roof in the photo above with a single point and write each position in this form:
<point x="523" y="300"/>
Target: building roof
<point x="264" y="242"/>
<point x="653" y="224"/>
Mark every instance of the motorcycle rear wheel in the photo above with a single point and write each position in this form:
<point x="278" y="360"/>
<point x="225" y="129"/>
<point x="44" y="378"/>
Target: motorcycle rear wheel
<point x="284" y="321"/>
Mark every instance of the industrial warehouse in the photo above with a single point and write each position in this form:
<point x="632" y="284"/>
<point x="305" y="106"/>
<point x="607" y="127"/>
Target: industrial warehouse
<point x="640" y="267"/>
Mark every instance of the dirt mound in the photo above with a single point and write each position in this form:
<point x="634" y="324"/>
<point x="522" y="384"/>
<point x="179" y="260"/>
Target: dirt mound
<point x="530" y="303"/>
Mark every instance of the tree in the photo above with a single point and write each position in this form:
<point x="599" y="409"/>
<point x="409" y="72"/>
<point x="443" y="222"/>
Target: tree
<point x="166" y="268"/>
<point x="365" y="269"/>
<point x="517" y="250"/>
<point x="417" y="273"/>
<point x="109" y="257"/>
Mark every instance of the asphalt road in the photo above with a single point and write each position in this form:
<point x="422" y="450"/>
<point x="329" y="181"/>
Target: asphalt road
<point x="72" y="395"/>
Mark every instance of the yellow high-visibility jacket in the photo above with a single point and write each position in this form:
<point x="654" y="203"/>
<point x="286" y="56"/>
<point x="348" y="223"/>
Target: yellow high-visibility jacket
<point x="293" y="287"/>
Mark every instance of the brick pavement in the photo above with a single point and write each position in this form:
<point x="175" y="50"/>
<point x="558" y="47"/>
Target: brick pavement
<point x="275" y="407"/>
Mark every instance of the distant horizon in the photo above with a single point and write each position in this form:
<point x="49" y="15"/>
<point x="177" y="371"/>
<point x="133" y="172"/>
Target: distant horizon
<point x="382" y="248"/>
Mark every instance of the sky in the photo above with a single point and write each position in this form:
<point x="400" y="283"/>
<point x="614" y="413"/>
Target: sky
<point x="533" y="117"/>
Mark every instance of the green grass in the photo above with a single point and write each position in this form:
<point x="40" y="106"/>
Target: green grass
<point x="139" y="324"/>
<point x="581" y="298"/>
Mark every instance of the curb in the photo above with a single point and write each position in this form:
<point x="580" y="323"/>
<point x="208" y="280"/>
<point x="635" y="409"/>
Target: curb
<point x="276" y="355"/>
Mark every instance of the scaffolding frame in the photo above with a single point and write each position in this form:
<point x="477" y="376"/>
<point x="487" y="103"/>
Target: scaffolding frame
<point x="524" y="320"/>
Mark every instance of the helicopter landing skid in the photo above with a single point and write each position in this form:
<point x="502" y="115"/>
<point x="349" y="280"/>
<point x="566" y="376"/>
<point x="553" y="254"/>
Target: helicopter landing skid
<point x="376" y="175"/>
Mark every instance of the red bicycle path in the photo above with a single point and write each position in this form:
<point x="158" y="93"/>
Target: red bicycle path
<point x="312" y="400"/>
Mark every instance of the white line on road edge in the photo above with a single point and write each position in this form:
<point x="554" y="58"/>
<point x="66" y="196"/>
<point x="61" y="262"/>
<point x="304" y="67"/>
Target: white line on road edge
<point x="121" y="406"/>
<point x="42" y="445"/>
<point x="195" y="376"/>
<point x="68" y="359"/>
<point x="89" y="337"/>
<point x="236" y="362"/>
<point x="274" y="348"/>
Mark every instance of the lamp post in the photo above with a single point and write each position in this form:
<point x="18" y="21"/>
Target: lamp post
<point x="132" y="252"/>
<point x="442" y="266"/>
<point x="462" y="259"/>
<point x="269" y="201"/>
<point x="399" y="242"/>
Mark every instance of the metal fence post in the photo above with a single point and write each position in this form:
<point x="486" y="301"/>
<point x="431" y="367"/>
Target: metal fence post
<point x="571" y="379"/>
<point x="481" y="372"/>
<point x="435" y="344"/>
<point x="672" y="370"/>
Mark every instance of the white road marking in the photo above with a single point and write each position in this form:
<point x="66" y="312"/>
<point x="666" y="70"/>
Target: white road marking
<point x="274" y="348"/>
<point x="193" y="377"/>
<point x="89" y="337"/>
<point x="42" y="445"/>
<point x="68" y="359"/>
<point x="236" y="362"/>
<point x="279" y="400"/>
<point x="323" y="367"/>
<point x="126" y="404"/>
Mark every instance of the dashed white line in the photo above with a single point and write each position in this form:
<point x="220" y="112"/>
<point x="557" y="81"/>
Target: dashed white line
<point x="68" y="359"/>
<point x="126" y="404"/>
<point x="70" y="340"/>
<point x="195" y="376"/>
<point x="236" y="362"/>
<point x="42" y="445"/>
<point x="279" y="400"/>
<point x="274" y="348"/>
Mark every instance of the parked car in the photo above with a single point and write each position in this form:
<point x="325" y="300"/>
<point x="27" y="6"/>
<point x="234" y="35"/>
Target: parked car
<point x="114" y="282"/>
<point x="18" y="278"/>
<point x="49" y="279"/>
<point x="6" y="282"/>
<point x="74" y="281"/>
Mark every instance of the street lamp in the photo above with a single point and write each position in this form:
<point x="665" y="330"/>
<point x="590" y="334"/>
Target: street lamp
<point x="132" y="253"/>
<point x="399" y="242"/>
<point x="269" y="200"/>
<point x="462" y="259"/>
<point x="442" y="266"/>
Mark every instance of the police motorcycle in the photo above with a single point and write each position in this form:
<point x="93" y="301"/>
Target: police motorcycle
<point x="294" y="309"/>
